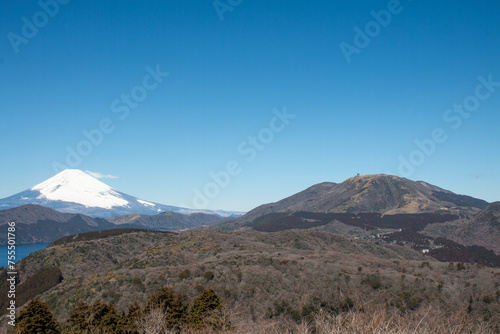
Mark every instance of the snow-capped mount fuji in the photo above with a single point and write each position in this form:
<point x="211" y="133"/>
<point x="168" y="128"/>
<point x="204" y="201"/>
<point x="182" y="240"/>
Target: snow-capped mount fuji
<point x="75" y="191"/>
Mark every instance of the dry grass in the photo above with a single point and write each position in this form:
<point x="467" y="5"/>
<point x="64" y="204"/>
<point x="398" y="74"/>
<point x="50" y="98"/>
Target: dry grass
<point x="433" y="321"/>
<point x="430" y="321"/>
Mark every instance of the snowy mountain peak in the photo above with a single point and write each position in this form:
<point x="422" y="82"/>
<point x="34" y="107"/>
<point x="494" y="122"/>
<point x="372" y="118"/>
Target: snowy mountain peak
<point x="73" y="185"/>
<point x="75" y="191"/>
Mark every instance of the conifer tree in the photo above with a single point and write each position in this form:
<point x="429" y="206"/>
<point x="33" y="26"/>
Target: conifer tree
<point x="36" y="318"/>
<point x="78" y="318"/>
<point x="172" y="304"/>
<point x="98" y="317"/>
<point x="203" y="307"/>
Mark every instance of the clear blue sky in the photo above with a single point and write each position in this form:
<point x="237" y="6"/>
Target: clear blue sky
<point x="226" y="76"/>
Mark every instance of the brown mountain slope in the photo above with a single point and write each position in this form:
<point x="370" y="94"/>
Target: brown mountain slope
<point x="253" y="272"/>
<point x="31" y="214"/>
<point x="388" y="194"/>
<point x="296" y="202"/>
<point x="166" y="220"/>
<point x="38" y="224"/>
<point x="482" y="230"/>
<point x="384" y="194"/>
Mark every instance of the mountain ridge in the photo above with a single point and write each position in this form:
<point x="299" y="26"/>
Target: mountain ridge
<point x="74" y="191"/>
<point x="168" y="220"/>
<point x="39" y="224"/>
<point x="379" y="194"/>
<point x="482" y="230"/>
<point x="385" y="194"/>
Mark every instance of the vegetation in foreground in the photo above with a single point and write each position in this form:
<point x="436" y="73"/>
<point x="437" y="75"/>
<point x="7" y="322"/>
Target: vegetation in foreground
<point x="166" y="312"/>
<point x="291" y="281"/>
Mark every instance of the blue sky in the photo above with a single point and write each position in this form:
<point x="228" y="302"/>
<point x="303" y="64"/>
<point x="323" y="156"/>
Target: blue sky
<point x="231" y="70"/>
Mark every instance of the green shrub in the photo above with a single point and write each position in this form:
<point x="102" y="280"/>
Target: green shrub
<point x="373" y="281"/>
<point x="184" y="274"/>
<point x="209" y="275"/>
<point x="283" y="308"/>
<point x="488" y="299"/>
<point x="346" y="305"/>
<point x="308" y="311"/>
<point x="407" y="300"/>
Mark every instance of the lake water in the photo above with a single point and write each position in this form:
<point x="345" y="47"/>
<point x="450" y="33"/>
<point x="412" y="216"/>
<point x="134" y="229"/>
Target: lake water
<point x="21" y="251"/>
